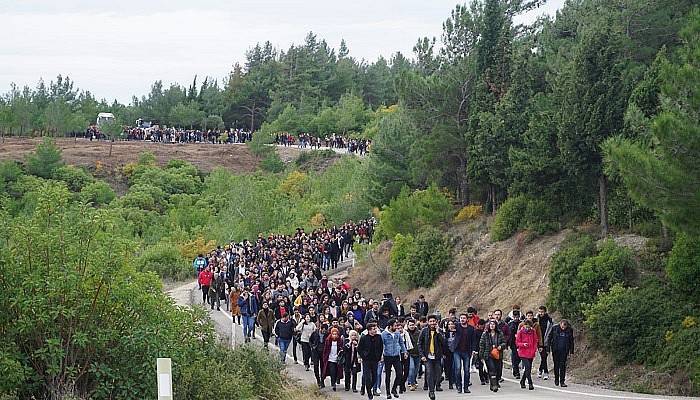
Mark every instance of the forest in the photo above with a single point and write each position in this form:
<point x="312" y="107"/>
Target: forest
<point x="589" y="118"/>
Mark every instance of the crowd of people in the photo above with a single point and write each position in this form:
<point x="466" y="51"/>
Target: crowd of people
<point x="305" y="140"/>
<point x="280" y="286"/>
<point x="175" y="135"/>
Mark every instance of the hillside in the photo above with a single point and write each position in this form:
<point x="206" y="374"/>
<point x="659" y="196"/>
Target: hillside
<point x="485" y="275"/>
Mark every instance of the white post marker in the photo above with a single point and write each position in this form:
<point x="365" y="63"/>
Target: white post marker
<point x="165" y="379"/>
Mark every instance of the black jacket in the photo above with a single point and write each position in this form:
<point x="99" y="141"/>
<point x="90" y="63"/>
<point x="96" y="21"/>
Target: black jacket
<point x="562" y="340"/>
<point x="371" y="348"/>
<point x="440" y="344"/>
<point x="422" y="308"/>
<point x="468" y="335"/>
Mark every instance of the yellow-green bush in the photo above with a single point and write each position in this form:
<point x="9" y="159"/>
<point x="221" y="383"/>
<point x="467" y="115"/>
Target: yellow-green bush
<point x="468" y="213"/>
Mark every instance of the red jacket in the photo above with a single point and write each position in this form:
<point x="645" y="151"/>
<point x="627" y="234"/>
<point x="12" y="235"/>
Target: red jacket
<point x="526" y="342"/>
<point x="205" y="278"/>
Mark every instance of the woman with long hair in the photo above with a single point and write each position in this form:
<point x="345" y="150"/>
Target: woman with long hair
<point x="491" y="348"/>
<point x="333" y="357"/>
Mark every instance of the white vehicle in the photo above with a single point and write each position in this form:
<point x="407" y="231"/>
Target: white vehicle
<point x="103" y="118"/>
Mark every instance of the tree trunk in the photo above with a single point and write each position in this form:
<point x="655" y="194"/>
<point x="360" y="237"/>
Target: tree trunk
<point x="111" y="143"/>
<point x="494" y="206"/>
<point x="464" y="183"/>
<point x="603" y="203"/>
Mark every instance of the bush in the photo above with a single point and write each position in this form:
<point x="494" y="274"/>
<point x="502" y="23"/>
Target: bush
<point x="417" y="262"/>
<point x="10" y="171"/>
<point x="294" y="184"/>
<point x="165" y="260"/>
<point x="409" y="212"/>
<point x="145" y="197"/>
<point x="45" y="160"/>
<point x="563" y="273"/>
<point x="76" y="178"/>
<point x="98" y="193"/>
<point x="171" y="181"/>
<point x="683" y="266"/>
<point x="540" y="217"/>
<point x="509" y="218"/>
<point x="272" y="163"/>
<point x="600" y="272"/>
<point x="647" y="324"/>
<point x="468" y="213"/>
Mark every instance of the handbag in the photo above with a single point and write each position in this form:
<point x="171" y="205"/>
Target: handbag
<point x="495" y="354"/>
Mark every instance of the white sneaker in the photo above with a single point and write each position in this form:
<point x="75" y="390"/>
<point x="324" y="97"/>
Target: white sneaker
<point x="539" y="374"/>
<point x="546" y="376"/>
<point x="473" y="370"/>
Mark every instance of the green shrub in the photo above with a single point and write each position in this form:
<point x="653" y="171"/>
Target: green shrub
<point x="563" y="273"/>
<point x="76" y="178"/>
<point x="638" y="324"/>
<point x="45" y="160"/>
<point x="409" y="212"/>
<point x="540" y="217"/>
<point x="165" y="260"/>
<point x="145" y="197"/>
<point x="509" y="218"/>
<point x="171" y="181"/>
<point x="98" y="193"/>
<point x="272" y="163"/>
<point x="600" y="272"/>
<point x="683" y="266"/>
<point x="10" y="171"/>
<point x="418" y="261"/>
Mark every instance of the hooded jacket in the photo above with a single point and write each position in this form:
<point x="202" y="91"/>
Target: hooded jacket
<point x="526" y="342"/>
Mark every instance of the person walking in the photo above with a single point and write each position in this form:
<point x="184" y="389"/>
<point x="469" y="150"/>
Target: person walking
<point x="204" y="280"/>
<point x="466" y="346"/>
<point x="394" y="350"/>
<point x="562" y="343"/>
<point x="413" y="355"/>
<point x="546" y="325"/>
<point x="514" y="321"/>
<point x="316" y="341"/>
<point x="333" y="357"/>
<point x="305" y="329"/>
<point x="491" y="348"/>
<point x="234" y="294"/>
<point x="352" y="363"/>
<point x="370" y="349"/>
<point x="431" y="345"/>
<point x="266" y="321"/>
<point x="284" y="330"/>
<point x="526" y="341"/>
<point x="249" y="310"/>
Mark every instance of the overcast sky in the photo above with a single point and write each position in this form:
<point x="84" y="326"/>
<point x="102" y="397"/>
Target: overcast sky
<point x="117" y="49"/>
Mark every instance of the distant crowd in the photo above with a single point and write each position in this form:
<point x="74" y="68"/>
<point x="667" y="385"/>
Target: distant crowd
<point x="177" y="135"/>
<point x="334" y="141"/>
<point x="280" y="286"/>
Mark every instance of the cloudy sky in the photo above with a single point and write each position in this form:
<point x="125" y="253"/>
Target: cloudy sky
<point x="117" y="49"/>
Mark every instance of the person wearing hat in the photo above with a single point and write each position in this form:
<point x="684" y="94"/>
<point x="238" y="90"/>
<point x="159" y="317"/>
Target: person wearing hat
<point x="422" y="306"/>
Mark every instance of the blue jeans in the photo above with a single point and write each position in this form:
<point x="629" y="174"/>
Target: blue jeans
<point x="284" y="345"/>
<point x="248" y="324"/>
<point x="378" y="382"/>
<point x="460" y="365"/>
<point x="413" y="367"/>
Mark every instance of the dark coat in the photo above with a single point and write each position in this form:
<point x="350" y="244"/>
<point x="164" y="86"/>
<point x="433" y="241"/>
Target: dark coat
<point x="486" y="344"/>
<point x="440" y="345"/>
<point x="561" y="340"/>
<point x="371" y="348"/>
<point x="327" y="351"/>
